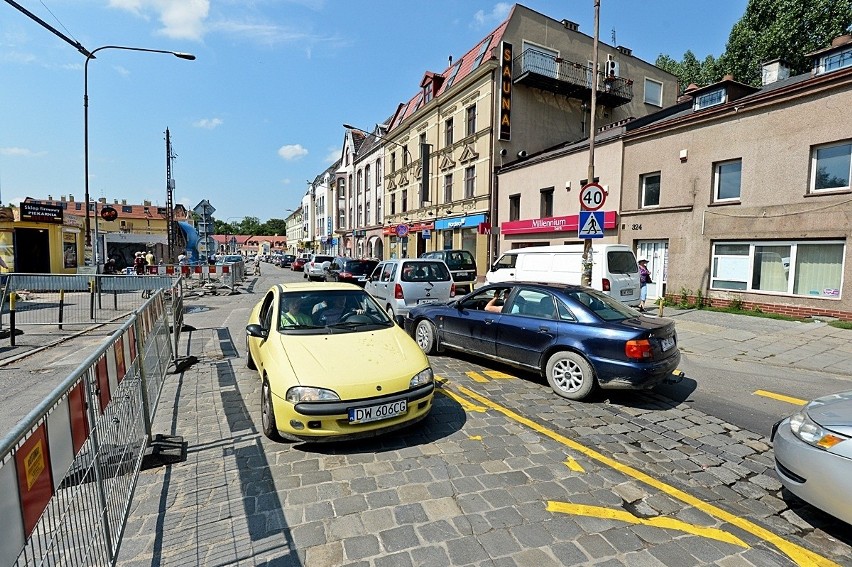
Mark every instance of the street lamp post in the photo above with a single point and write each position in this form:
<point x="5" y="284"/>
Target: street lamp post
<point x="89" y="56"/>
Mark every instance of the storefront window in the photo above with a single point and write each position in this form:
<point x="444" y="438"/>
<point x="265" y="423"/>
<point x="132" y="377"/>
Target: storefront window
<point x="469" y="240"/>
<point x="447" y="236"/>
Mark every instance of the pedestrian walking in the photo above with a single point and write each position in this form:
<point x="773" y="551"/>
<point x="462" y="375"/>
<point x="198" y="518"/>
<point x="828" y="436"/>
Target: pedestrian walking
<point x="644" y="280"/>
<point x="139" y="264"/>
<point x="149" y="258"/>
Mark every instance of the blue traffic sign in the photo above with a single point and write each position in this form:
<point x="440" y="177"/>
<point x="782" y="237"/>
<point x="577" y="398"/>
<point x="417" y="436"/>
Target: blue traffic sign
<point x="591" y="224"/>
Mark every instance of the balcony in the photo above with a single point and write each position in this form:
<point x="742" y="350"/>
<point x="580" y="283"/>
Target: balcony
<point x="546" y="72"/>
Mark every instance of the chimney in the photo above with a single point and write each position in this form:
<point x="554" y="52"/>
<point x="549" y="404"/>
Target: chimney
<point x="70" y="198"/>
<point x="571" y="26"/>
<point x="124" y="201"/>
<point x="102" y="200"/>
<point x="115" y="201"/>
<point x="774" y="70"/>
<point x="62" y="198"/>
<point x="146" y="203"/>
<point x="625" y="50"/>
<point x="50" y="197"/>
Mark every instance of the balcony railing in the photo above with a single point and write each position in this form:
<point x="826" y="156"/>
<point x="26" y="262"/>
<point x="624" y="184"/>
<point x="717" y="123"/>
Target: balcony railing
<point x="547" y="72"/>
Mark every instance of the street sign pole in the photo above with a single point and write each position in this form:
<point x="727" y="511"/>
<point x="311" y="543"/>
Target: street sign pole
<point x="587" y="243"/>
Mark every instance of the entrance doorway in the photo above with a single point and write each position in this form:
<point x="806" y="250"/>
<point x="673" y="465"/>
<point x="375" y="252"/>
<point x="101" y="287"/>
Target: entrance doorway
<point x="657" y="254"/>
<point x="32" y="251"/>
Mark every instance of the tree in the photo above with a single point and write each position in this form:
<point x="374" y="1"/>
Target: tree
<point x="274" y="226"/>
<point x="769" y="29"/>
<point x="786" y="29"/>
<point x="250" y="225"/>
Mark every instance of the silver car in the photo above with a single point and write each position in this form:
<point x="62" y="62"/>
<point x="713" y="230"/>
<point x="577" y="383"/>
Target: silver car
<point x="403" y="283"/>
<point x="314" y="268"/>
<point x="813" y="454"/>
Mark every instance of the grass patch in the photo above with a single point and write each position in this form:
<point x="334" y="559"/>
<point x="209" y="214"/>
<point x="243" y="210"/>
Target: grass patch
<point x="840" y="324"/>
<point x="757" y="313"/>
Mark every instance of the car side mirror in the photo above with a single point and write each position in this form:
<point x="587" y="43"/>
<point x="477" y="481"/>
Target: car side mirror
<point x="255" y="330"/>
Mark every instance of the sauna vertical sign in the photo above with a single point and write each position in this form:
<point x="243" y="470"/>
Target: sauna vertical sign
<point x="505" y="91"/>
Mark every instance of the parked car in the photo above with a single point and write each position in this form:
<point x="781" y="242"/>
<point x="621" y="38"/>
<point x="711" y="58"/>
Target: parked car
<point x="575" y="336"/>
<point x="402" y="283"/>
<point x="230" y="259"/>
<point x="298" y="265"/>
<point x="350" y="270"/>
<point x="285" y="260"/>
<point x="314" y="268"/>
<point x="320" y="378"/>
<point x="813" y="454"/>
<point x="462" y="267"/>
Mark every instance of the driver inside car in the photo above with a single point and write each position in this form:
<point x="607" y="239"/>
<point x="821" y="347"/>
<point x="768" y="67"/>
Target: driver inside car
<point x="333" y="310"/>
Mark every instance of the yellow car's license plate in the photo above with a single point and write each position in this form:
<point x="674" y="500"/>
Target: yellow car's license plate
<point x="378" y="412"/>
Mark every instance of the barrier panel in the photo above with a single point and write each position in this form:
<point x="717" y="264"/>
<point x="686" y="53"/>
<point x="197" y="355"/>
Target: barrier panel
<point x="68" y="470"/>
<point x="75" y="299"/>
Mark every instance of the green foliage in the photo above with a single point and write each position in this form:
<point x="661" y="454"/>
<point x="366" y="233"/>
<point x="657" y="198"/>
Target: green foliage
<point x="736" y="304"/>
<point x="699" y="299"/>
<point x="841" y="324"/>
<point x="786" y="29"/>
<point x="684" y="297"/>
<point x="769" y="29"/>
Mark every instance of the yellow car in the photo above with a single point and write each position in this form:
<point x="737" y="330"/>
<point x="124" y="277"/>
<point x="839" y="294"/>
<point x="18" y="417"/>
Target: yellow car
<point x="333" y="364"/>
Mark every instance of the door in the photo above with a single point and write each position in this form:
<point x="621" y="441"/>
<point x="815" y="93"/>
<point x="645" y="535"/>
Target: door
<point x="527" y="328"/>
<point x="470" y="328"/>
<point x="32" y="251"/>
<point x="657" y="254"/>
<point x="380" y="282"/>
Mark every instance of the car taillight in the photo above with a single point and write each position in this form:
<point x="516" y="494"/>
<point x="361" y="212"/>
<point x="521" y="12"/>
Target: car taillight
<point x="397" y="292"/>
<point x="605" y="284"/>
<point x="452" y="290"/>
<point x="639" y="349"/>
<point x="344" y="275"/>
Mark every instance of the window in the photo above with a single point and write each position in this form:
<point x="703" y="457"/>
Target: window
<point x="448" y="188"/>
<point x="393" y="161"/>
<point x="367" y="177"/>
<point x="447" y="237"/>
<point x="514" y="207"/>
<point x="830" y="167"/>
<point x="471" y="120"/>
<point x="452" y="76"/>
<point x="713" y="98"/>
<point x="448" y="132"/>
<point x="651" y="190"/>
<point x="359" y="178"/>
<point x="379" y="210"/>
<point x="393" y="204"/>
<point x="404" y="155"/>
<point x="727" y="181"/>
<point x="835" y="61"/>
<point x="126" y="209"/>
<point x="811" y="269"/>
<point x="368" y="220"/>
<point x="378" y="171"/>
<point x="546" y="203"/>
<point x="483" y="49"/>
<point x="404" y="201"/>
<point x="469" y="181"/>
<point x="653" y="92"/>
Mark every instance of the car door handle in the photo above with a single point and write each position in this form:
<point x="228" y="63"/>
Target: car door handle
<point x="544" y="330"/>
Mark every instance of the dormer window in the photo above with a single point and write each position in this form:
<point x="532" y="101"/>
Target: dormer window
<point x="835" y="61"/>
<point x="712" y="98"/>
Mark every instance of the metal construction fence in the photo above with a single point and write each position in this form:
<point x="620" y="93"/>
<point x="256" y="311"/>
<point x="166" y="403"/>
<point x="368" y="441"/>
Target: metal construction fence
<point x="69" y="469"/>
<point x="226" y="274"/>
<point x="74" y="299"/>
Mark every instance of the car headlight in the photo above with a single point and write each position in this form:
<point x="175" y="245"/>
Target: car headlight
<point x="421" y="378"/>
<point x="813" y="433"/>
<point x="310" y="394"/>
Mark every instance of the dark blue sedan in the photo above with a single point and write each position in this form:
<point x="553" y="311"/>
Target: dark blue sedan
<point x="575" y="336"/>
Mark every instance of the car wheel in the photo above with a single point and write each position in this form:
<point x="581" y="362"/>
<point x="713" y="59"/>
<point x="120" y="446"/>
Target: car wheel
<point x="570" y="375"/>
<point x="267" y="414"/>
<point x="249" y="360"/>
<point x="424" y="334"/>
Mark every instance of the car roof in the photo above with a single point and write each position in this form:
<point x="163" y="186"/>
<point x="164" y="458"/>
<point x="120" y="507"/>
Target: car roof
<point x="550" y="286"/>
<point x="299" y="287"/>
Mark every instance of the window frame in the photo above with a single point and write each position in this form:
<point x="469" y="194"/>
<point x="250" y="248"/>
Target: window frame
<point x="448" y="188"/>
<point x="643" y="185"/>
<point x="470" y="120"/>
<point x="448" y="132"/>
<point x="791" y="267"/>
<point x="515" y="207"/>
<point x="815" y="168"/>
<point x="718" y="177"/>
<point x="545" y="206"/>
<point x="470" y="182"/>
<point x="658" y="103"/>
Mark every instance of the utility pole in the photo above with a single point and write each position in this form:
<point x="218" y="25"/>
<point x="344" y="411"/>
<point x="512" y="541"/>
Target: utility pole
<point x="170" y="204"/>
<point x="587" y="243"/>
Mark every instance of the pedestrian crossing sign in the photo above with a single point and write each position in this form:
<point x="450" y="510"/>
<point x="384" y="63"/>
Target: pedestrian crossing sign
<point x="591" y="224"/>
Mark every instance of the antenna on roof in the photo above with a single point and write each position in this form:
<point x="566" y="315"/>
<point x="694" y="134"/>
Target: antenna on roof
<point x="451" y="61"/>
<point x="613" y="37"/>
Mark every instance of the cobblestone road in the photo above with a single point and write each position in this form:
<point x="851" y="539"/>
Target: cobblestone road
<point x="501" y="473"/>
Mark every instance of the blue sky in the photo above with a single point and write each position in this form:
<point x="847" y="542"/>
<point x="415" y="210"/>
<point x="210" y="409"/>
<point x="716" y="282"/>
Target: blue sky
<point x="260" y="111"/>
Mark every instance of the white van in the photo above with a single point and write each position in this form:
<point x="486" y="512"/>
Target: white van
<point x="614" y="268"/>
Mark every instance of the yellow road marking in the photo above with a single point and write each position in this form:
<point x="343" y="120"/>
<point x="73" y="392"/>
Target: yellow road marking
<point x="475" y="437"/>
<point x="477" y="377"/>
<point x="780" y="397"/>
<point x="463" y="402"/>
<point x="573" y="465"/>
<point x="658" y="522"/>
<point x="496" y="374"/>
<point x="795" y="552"/>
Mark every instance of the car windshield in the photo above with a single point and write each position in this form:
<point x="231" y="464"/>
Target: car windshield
<point x="232" y="258"/>
<point x="622" y="262"/>
<point x="425" y="272"/>
<point x="325" y="311"/>
<point x="603" y="306"/>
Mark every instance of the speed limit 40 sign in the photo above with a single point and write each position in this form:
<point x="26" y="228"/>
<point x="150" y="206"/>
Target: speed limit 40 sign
<point x="592" y="197"/>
